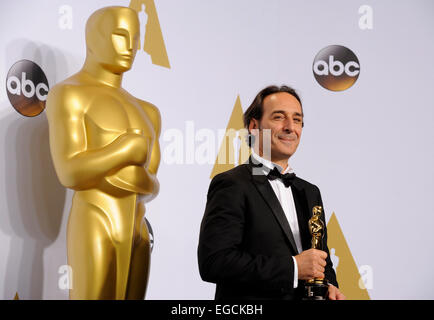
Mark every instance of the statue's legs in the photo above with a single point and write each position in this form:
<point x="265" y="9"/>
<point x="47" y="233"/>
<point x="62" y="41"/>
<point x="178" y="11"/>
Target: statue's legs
<point x="140" y="257"/>
<point x="91" y="253"/>
<point x="100" y="233"/>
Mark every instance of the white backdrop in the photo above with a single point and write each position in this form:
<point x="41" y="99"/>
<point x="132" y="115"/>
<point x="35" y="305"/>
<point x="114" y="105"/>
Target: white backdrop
<point x="369" y="148"/>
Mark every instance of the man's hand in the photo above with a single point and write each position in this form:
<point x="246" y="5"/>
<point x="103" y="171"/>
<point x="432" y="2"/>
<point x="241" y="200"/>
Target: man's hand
<point x="311" y="264"/>
<point x="335" y="294"/>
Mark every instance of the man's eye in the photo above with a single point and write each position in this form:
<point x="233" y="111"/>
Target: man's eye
<point x="297" y="120"/>
<point x="278" y="117"/>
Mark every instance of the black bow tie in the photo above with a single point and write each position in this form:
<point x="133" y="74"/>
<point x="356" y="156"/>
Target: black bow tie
<point x="286" y="178"/>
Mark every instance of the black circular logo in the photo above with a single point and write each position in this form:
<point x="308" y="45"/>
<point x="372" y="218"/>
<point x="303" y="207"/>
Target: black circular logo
<point x="27" y="88"/>
<point x="336" y="68"/>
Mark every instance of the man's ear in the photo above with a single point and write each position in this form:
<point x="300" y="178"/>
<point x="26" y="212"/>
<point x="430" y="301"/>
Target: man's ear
<point x="253" y="125"/>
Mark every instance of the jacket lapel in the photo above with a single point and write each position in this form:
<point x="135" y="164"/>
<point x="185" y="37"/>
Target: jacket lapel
<point x="303" y="214"/>
<point x="261" y="183"/>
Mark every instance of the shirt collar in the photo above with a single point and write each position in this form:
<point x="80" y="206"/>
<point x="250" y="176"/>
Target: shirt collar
<point x="268" y="165"/>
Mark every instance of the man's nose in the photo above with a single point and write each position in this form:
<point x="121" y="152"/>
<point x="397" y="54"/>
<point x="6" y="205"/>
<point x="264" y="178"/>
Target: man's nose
<point x="288" y="125"/>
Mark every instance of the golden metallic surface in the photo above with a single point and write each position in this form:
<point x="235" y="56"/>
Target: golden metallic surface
<point x="104" y="145"/>
<point x="316" y="228"/>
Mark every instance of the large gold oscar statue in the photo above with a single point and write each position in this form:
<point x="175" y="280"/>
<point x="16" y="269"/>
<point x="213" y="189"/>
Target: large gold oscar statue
<point x="104" y="144"/>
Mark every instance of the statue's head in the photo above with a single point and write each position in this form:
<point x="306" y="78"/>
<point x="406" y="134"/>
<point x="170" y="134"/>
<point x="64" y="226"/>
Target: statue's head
<point x="317" y="210"/>
<point x="112" y="36"/>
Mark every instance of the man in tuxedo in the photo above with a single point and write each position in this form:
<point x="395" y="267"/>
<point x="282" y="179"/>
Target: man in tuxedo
<point x="254" y="240"/>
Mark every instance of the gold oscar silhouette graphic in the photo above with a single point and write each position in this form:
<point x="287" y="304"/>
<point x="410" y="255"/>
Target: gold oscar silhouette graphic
<point x="351" y="283"/>
<point x="229" y="156"/>
<point x="152" y="41"/>
<point x="104" y="145"/>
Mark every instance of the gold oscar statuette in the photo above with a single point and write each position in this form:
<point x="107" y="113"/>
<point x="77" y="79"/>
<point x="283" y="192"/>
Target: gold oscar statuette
<point x="104" y="145"/>
<point x="316" y="289"/>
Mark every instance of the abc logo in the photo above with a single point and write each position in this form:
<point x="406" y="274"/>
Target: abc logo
<point x="27" y="88"/>
<point x="336" y="68"/>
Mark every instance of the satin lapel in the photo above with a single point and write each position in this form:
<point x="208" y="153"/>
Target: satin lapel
<point x="264" y="188"/>
<point x="303" y="216"/>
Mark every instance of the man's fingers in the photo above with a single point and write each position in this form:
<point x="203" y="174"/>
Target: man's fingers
<point x="332" y="295"/>
<point x="340" y="296"/>
<point x="319" y="253"/>
<point x="322" y="263"/>
<point x="323" y="254"/>
<point x="335" y="294"/>
<point x="320" y="269"/>
<point x="332" y="292"/>
<point x="311" y="264"/>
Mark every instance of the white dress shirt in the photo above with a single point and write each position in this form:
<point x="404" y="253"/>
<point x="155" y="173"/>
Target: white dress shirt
<point x="284" y="195"/>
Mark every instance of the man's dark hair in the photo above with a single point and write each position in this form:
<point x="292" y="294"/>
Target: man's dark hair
<point x="256" y="109"/>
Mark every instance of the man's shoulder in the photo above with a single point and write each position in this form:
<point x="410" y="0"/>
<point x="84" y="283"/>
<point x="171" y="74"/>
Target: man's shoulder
<point x="235" y="179"/>
<point x="238" y="173"/>
<point x="306" y="184"/>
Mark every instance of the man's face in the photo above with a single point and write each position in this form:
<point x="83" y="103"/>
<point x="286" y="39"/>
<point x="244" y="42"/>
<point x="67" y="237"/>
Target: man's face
<point x="282" y="115"/>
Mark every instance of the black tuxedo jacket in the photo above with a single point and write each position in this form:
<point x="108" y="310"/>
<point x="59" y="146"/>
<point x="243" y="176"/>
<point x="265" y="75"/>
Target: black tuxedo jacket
<point x="246" y="244"/>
